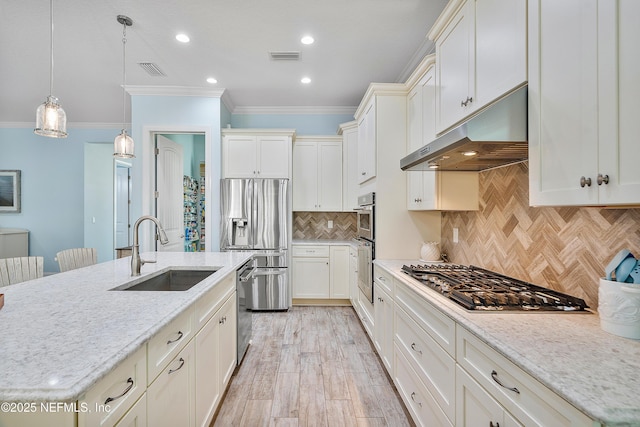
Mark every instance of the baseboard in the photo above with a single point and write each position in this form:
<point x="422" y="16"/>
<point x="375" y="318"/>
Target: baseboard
<point x="322" y="301"/>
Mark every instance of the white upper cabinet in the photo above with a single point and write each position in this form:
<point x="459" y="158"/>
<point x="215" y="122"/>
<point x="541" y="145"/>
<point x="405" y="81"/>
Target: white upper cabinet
<point x="582" y="111"/>
<point x="367" y="142"/>
<point x="256" y="153"/>
<point x="349" y="132"/>
<point x="431" y="190"/>
<point x="317" y="174"/>
<point x="481" y="55"/>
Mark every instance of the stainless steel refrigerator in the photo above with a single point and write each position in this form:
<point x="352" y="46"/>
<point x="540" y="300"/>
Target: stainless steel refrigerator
<point x="255" y="215"/>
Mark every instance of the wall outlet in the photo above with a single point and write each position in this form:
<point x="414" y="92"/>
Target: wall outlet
<point x="455" y="235"/>
<point x="330" y="224"/>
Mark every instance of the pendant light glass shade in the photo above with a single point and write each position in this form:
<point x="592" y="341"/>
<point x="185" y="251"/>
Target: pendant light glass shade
<point x="123" y="145"/>
<point x="51" y="120"/>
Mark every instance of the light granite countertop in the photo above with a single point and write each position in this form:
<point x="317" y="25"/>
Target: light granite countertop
<point x="322" y="242"/>
<point x="63" y="333"/>
<point x="597" y="372"/>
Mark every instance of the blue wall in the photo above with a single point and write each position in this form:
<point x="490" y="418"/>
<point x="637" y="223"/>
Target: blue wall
<point x="304" y="124"/>
<point x="52" y="187"/>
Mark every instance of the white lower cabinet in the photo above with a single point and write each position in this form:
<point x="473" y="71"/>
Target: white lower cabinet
<point x="320" y="271"/>
<point x="533" y="404"/>
<point x="137" y="415"/>
<point x="476" y="407"/>
<point x="445" y="375"/>
<point x="423" y="408"/>
<point x="353" y="275"/>
<point x="339" y="272"/>
<point x="171" y="397"/>
<point x="116" y="392"/>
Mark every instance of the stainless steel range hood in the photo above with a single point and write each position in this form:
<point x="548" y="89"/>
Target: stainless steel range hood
<point x="495" y="136"/>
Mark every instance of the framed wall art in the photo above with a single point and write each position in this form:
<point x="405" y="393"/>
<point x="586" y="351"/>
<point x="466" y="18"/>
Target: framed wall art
<point x="9" y="191"/>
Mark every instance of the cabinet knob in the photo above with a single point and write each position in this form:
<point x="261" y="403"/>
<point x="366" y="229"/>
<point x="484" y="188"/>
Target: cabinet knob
<point x="363" y="173"/>
<point x="602" y="179"/>
<point x="585" y="181"/>
<point x="466" y="102"/>
<point x="497" y="424"/>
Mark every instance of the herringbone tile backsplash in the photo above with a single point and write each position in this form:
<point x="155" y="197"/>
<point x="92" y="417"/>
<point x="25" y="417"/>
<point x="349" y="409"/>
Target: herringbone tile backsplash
<point x="314" y="225"/>
<point x="565" y="248"/>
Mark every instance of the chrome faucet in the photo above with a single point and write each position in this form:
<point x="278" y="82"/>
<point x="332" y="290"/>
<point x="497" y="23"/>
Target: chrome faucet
<point x="136" y="262"/>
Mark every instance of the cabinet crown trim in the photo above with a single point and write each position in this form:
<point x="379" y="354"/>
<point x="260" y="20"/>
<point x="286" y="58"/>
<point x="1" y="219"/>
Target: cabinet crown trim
<point x="427" y="63"/>
<point x="319" y="138"/>
<point x="380" y="89"/>
<point x="445" y="17"/>
<point x="261" y="132"/>
<point x="343" y="127"/>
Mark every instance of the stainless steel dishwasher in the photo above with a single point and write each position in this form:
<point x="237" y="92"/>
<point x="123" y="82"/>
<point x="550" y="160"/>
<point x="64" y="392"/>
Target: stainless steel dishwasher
<point x="243" y="285"/>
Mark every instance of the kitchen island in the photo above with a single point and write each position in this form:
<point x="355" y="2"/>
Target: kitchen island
<point x="62" y="334"/>
<point x="568" y="353"/>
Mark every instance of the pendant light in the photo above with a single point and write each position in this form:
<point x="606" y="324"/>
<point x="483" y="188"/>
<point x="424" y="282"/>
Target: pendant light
<point x="123" y="144"/>
<point x="51" y="120"/>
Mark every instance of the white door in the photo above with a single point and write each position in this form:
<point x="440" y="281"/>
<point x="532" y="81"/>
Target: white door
<point x="169" y="202"/>
<point x="122" y="220"/>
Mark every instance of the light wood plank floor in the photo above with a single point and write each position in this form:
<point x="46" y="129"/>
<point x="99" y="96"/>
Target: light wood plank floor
<point x="311" y="366"/>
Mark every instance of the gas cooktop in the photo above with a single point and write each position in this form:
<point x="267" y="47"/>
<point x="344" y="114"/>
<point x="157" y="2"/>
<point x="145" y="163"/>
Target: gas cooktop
<point x="476" y="288"/>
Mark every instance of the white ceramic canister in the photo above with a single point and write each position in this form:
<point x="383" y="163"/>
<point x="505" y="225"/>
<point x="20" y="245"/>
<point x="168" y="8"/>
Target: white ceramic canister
<point x="619" y="308"/>
<point x="430" y="251"/>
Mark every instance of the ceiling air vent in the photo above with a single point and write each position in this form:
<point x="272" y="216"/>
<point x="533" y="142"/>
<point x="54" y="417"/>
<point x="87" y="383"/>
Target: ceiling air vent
<point x="152" y="69"/>
<point x="285" y="55"/>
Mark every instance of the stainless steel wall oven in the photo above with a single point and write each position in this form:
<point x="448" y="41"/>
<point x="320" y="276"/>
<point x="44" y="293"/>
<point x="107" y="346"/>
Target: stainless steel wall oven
<point x="366" y="243"/>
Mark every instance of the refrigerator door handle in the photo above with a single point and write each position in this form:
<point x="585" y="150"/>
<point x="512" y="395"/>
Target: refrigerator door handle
<point x="269" y="272"/>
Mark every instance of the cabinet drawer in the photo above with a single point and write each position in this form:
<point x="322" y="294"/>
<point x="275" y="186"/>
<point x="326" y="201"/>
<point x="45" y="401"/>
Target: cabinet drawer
<point x="533" y="404"/>
<point x="210" y="302"/>
<point x="383" y="278"/>
<point x="168" y="342"/>
<point x="137" y="416"/>
<point x="440" y="327"/>
<point x="311" y="251"/>
<point x="435" y="367"/>
<point x="117" y="391"/>
<point x="423" y="408"/>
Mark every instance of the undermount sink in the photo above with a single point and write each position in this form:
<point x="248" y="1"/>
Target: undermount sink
<point x="172" y="280"/>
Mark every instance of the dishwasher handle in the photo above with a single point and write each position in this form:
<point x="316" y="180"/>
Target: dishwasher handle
<point x="269" y="272"/>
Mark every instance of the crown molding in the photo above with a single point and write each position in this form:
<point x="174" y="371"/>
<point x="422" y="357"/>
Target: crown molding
<point x="319" y="138"/>
<point x="380" y="89"/>
<point x="144" y="90"/>
<point x="445" y="17"/>
<point x="342" y="127"/>
<point x="295" y="110"/>
<point x="426" y="63"/>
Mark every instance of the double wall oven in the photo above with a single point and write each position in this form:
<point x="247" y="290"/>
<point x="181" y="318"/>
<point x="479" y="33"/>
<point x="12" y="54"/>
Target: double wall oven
<point x="366" y="243"/>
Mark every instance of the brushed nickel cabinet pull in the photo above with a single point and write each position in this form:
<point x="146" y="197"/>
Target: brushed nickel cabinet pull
<point x="127" y="390"/>
<point x="602" y="179"/>
<point x="494" y="375"/>
<point x="180" y="335"/>
<point x="413" y="347"/>
<point x="171" y="371"/>
<point x="585" y="181"/>
<point x="413" y="395"/>
<point x="491" y="424"/>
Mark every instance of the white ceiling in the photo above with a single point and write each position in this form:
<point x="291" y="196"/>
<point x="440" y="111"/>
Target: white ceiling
<point x="357" y="42"/>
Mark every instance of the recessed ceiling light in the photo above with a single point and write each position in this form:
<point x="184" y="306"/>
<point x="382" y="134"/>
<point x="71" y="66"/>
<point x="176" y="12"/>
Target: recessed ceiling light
<point x="469" y="153"/>
<point x="183" y="38"/>
<point x="307" y="40"/>
<point x="305" y="80"/>
<point x="211" y="80"/>
<point x="433" y="166"/>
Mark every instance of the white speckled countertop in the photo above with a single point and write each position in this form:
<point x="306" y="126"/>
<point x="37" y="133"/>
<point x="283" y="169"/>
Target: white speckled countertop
<point x="62" y="333"/>
<point x="322" y="242"/>
<point x="597" y="372"/>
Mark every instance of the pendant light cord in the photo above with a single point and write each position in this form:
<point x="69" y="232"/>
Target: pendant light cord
<point x="124" y="74"/>
<point x="51" y="50"/>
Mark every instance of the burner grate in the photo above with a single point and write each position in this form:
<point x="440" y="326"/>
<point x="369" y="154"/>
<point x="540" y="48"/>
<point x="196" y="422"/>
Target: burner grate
<point x="476" y="288"/>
